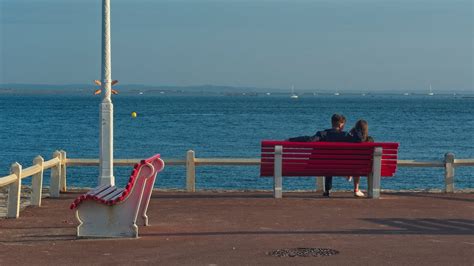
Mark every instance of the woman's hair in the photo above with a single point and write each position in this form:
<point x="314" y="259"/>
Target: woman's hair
<point x="361" y="128"/>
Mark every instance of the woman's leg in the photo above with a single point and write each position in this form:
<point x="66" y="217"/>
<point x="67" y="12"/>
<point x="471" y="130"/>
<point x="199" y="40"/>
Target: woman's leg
<point x="356" y="183"/>
<point x="357" y="192"/>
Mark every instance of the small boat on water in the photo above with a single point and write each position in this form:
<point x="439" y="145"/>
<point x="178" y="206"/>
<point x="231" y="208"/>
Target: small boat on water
<point x="406" y="94"/>
<point x="337" y="94"/>
<point x="293" y="95"/>
<point x="431" y="93"/>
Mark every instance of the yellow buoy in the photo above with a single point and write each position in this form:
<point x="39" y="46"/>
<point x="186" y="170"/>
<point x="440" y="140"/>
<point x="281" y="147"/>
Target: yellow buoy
<point x="134" y="114"/>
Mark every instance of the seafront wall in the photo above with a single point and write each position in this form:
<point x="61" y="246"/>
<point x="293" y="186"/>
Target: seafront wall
<point x="14" y="196"/>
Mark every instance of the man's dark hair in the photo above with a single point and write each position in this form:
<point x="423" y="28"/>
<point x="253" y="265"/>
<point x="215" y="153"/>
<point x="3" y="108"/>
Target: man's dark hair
<point x="337" y="120"/>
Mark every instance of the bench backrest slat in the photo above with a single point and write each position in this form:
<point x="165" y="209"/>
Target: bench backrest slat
<point x="327" y="158"/>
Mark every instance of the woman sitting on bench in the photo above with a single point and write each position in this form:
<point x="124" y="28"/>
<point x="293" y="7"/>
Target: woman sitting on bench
<point x="359" y="133"/>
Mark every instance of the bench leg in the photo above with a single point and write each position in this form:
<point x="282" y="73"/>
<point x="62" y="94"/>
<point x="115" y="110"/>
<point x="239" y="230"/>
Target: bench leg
<point x="320" y="184"/>
<point x="374" y="177"/>
<point x="278" y="187"/>
<point x="373" y="186"/>
<point x="278" y="173"/>
<point x="370" y="189"/>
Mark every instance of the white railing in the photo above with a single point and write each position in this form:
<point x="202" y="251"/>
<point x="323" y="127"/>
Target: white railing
<point x="17" y="173"/>
<point x="59" y="163"/>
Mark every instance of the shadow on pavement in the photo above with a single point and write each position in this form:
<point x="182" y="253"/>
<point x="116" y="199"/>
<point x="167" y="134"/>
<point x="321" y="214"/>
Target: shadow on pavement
<point x="400" y="226"/>
<point x="440" y="196"/>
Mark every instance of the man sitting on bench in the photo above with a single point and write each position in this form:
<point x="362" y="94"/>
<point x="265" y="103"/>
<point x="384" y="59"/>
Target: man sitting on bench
<point x="334" y="134"/>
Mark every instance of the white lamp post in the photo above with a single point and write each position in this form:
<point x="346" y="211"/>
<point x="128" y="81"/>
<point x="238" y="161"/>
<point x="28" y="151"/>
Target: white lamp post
<point x="106" y="157"/>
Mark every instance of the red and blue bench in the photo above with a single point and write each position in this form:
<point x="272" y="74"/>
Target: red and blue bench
<point x="108" y="211"/>
<point x="293" y="159"/>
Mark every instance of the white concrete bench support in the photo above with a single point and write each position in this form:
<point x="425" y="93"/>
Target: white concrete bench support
<point x="142" y="217"/>
<point x="319" y="183"/>
<point x="375" y="176"/>
<point x="278" y="173"/>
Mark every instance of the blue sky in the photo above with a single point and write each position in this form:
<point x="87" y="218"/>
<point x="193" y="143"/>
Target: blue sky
<point x="338" y="44"/>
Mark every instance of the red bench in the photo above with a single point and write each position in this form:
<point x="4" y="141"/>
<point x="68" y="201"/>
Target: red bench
<point x="284" y="158"/>
<point x="108" y="211"/>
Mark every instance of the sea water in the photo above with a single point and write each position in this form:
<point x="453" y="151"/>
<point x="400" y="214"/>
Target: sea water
<point x="233" y="127"/>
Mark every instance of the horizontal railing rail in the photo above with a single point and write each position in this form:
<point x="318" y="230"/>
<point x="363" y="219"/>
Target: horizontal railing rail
<point x="117" y="162"/>
<point x="59" y="163"/>
<point x="51" y="163"/>
<point x="414" y="163"/>
<point x="7" y="180"/>
<point x="463" y="162"/>
<point x="26" y="172"/>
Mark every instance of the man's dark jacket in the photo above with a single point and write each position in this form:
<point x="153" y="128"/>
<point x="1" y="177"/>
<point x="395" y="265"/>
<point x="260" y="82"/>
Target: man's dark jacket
<point x="329" y="135"/>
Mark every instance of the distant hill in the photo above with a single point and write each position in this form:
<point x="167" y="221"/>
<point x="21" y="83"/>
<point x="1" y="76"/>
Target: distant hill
<point x="18" y="88"/>
<point x="127" y="88"/>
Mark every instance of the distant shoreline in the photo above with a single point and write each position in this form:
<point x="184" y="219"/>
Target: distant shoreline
<point x="154" y="92"/>
<point x="209" y="89"/>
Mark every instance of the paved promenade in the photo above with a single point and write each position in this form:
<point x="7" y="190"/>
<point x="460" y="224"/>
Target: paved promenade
<point x="243" y="228"/>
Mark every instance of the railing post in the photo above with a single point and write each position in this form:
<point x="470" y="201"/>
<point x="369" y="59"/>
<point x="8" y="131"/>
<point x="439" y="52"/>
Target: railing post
<point x="374" y="177"/>
<point x="190" y="171"/>
<point x="37" y="183"/>
<point x="319" y="183"/>
<point x="63" y="171"/>
<point x="55" y="181"/>
<point x="278" y="173"/>
<point x="14" y="193"/>
<point x="449" y="172"/>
